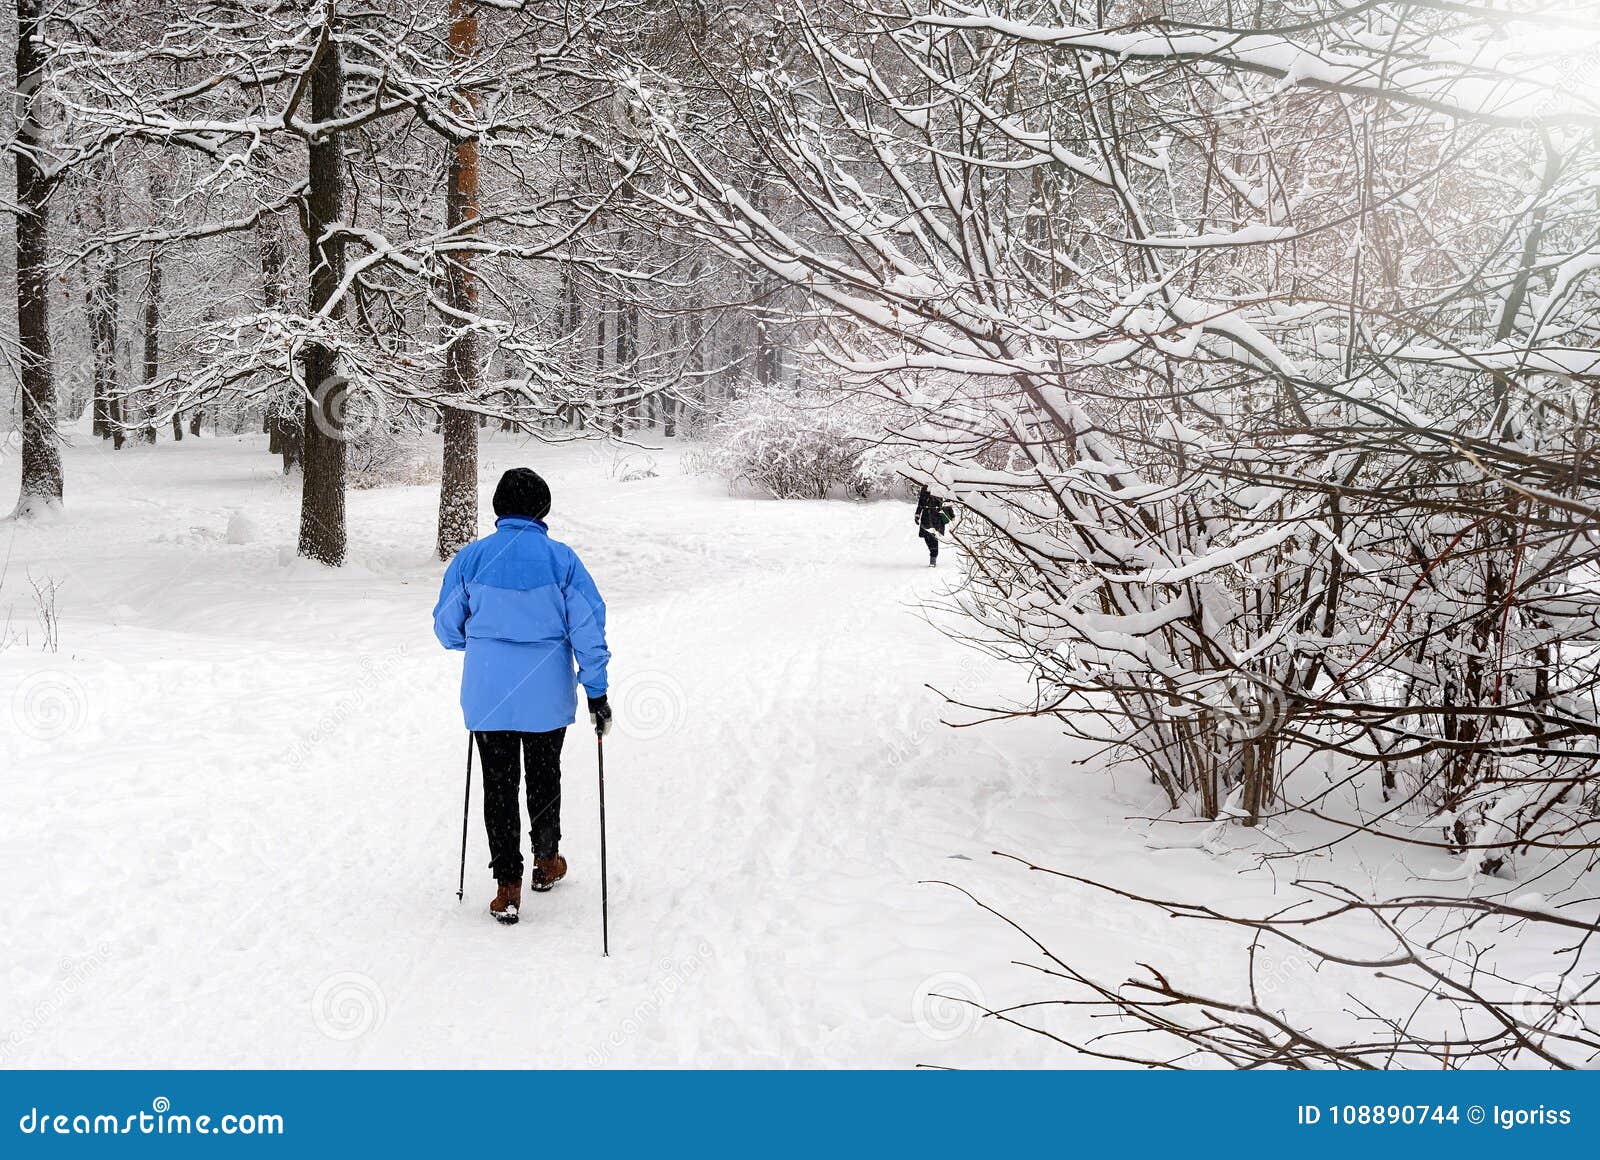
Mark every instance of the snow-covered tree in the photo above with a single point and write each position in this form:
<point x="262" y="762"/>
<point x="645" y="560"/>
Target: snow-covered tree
<point x="1261" y="347"/>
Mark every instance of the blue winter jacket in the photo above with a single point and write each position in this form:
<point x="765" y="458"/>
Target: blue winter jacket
<point x="522" y="605"/>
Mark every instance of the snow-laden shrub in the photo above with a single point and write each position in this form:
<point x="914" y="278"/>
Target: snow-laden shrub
<point x="632" y="468"/>
<point x="798" y="445"/>
<point x="880" y="470"/>
<point x="696" y="461"/>
<point x="385" y="457"/>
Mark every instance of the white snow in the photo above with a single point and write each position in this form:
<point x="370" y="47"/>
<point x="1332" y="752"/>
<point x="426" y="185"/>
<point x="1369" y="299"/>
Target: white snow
<point x="241" y="529"/>
<point x="233" y="795"/>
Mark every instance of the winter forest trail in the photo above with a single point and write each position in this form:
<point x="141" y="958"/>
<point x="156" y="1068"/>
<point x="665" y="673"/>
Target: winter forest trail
<point x="233" y="795"/>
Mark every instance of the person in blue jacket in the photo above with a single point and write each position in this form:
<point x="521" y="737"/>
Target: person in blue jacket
<point x="524" y="609"/>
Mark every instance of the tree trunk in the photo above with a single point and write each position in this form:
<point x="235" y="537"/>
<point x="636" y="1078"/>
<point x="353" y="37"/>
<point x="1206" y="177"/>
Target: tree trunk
<point x="41" y="453"/>
<point x="695" y="337"/>
<point x="768" y="371"/>
<point x="458" y="481"/>
<point x="322" y="527"/>
<point x="625" y="414"/>
<point x="152" y="336"/>
<point x="569" y="302"/>
<point x="669" y="401"/>
<point x="104" y="291"/>
<point x="620" y="363"/>
<point x="102" y="403"/>
<point x="283" y="411"/>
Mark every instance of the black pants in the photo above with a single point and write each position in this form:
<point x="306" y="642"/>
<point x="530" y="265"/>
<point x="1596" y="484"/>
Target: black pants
<point x="933" y="544"/>
<point x="507" y="757"/>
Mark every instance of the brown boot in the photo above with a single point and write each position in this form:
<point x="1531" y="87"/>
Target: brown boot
<point x="547" y="872"/>
<point x="507" y="902"/>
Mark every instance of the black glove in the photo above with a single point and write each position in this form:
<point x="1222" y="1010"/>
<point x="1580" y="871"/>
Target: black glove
<point x="600" y="715"/>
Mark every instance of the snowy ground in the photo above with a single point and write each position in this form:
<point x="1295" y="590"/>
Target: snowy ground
<point x="233" y="794"/>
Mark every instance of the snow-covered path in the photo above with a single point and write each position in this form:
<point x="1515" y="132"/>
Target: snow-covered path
<point x="233" y="795"/>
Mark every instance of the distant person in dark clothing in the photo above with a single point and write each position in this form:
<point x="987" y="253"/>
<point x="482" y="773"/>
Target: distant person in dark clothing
<point x="933" y="517"/>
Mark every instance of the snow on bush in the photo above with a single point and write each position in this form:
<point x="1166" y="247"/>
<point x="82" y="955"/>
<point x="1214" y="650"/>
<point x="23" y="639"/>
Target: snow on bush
<point x="880" y="470"/>
<point x="241" y="529"/>
<point x="798" y="445"/>
<point x="632" y="468"/>
<point x="385" y="457"/>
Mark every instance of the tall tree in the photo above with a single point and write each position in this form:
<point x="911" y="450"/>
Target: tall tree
<point x="322" y="525"/>
<point x="41" y="453"/>
<point x="284" y="407"/>
<point x="152" y="334"/>
<point x="458" y="483"/>
<point x="104" y="298"/>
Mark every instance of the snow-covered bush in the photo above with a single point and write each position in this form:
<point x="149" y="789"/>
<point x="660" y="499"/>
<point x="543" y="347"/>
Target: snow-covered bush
<point x="880" y="470"/>
<point x="631" y="468"/>
<point x="795" y="445"/>
<point x="383" y="456"/>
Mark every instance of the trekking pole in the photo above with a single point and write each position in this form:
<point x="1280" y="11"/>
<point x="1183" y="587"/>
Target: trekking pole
<point x="605" y="916"/>
<point x="466" y="805"/>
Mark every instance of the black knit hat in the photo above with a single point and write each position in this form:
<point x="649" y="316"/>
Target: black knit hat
<point x="522" y="493"/>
